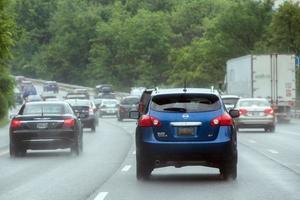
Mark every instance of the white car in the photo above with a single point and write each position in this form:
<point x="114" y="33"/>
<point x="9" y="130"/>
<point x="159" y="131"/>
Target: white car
<point x="108" y="107"/>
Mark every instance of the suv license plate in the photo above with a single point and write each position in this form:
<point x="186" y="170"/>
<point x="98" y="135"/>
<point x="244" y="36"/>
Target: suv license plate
<point x="185" y="131"/>
<point x="42" y="125"/>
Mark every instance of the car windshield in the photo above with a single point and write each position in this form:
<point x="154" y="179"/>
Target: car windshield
<point x="252" y="103"/>
<point x="185" y="103"/>
<point x="40" y="109"/>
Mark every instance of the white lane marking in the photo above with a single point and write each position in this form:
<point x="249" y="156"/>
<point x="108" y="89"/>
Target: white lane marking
<point x="134" y="152"/>
<point x="126" y="168"/>
<point x="273" y="151"/>
<point x="252" y="141"/>
<point x="101" y="196"/>
<point x="4" y="153"/>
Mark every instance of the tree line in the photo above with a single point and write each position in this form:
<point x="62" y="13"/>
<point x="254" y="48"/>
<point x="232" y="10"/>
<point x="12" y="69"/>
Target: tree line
<point x="145" y="42"/>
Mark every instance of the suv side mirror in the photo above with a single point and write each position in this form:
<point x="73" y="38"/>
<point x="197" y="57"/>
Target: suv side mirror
<point x="234" y="113"/>
<point x="134" y="115"/>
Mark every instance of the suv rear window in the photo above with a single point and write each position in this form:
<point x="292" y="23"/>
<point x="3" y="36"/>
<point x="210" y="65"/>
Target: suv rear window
<point x="130" y="101"/>
<point x="185" y="103"/>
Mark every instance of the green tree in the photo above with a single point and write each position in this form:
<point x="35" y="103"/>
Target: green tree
<point x="6" y="83"/>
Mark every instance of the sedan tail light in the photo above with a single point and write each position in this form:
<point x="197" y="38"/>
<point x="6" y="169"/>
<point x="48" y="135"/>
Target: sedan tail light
<point x="243" y="111"/>
<point x="15" y="123"/>
<point x="269" y="111"/>
<point x="68" y="123"/>
<point x="223" y="120"/>
<point x="149" y="121"/>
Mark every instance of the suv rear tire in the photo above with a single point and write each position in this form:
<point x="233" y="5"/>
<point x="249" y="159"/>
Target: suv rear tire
<point x="144" y="167"/>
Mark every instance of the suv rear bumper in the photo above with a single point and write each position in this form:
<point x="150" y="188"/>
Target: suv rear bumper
<point x="217" y="147"/>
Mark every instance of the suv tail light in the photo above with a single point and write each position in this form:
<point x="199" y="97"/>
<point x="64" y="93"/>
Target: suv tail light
<point x="269" y="111"/>
<point x="243" y="111"/>
<point x="68" y="123"/>
<point x="15" y="123"/>
<point x="223" y="120"/>
<point x="148" y="121"/>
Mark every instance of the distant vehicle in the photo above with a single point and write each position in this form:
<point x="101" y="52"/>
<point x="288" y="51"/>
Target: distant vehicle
<point x="82" y="91"/>
<point x="104" y="88"/>
<point x="137" y="91"/>
<point x="230" y="101"/>
<point x="51" y="86"/>
<point x="255" y="113"/>
<point x="97" y="102"/>
<point x="32" y="98"/>
<point x="108" y="107"/>
<point x="28" y="90"/>
<point x="185" y="127"/>
<point x="264" y="76"/>
<point x="18" y="96"/>
<point x="106" y="96"/>
<point x="86" y="111"/>
<point x="49" y="95"/>
<point x="44" y="125"/>
<point x="25" y="84"/>
<point x="72" y="95"/>
<point x="129" y="103"/>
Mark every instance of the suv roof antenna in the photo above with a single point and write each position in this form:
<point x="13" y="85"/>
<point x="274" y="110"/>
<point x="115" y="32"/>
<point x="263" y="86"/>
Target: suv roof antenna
<point x="184" y="88"/>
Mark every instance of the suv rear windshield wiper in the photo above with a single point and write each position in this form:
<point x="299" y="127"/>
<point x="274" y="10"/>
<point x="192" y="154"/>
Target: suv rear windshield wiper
<point x="175" y="109"/>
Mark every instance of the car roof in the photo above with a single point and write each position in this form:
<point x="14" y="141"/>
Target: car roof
<point x="253" y="99"/>
<point x="47" y="102"/>
<point x="181" y="91"/>
<point x="230" y="96"/>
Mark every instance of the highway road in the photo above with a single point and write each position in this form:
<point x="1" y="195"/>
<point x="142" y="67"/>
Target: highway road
<point x="268" y="169"/>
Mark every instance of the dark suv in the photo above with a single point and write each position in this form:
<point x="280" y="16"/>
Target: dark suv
<point x="51" y="86"/>
<point x="182" y="127"/>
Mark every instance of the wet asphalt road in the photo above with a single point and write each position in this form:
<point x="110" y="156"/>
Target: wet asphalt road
<point x="268" y="168"/>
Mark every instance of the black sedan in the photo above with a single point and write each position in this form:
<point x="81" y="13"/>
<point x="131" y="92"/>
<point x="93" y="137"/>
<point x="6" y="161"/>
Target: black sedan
<point x="43" y="126"/>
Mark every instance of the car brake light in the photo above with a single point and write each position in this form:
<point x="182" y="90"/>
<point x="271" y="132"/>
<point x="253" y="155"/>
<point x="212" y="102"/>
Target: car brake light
<point x="148" y="121"/>
<point x="269" y="111"/>
<point x="69" y="123"/>
<point x="15" y="123"/>
<point x="223" y="120"/>
<point x="243" y="111"/>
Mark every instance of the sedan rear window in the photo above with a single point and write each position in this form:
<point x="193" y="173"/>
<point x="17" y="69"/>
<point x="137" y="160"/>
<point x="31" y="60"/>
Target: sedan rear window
<point x="44" y="109"/>
<point x="250" y="103"/>
<point x="185" y="103"/>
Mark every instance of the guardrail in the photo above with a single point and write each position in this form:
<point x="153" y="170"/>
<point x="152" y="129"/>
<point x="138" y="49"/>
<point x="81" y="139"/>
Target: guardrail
<point x="69" y="87"/>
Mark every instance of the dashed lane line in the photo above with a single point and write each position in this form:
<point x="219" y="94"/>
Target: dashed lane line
<point x="126" y="168"/>
<point x="101" y="196"/>
<point x="273" y="151"/>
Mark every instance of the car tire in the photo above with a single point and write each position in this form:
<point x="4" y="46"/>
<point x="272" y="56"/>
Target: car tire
<point x="120" y="119"/>
<point x="228" y="168"/>
<point x="93" y="128"/>
<point x="77" y="146"/>
<point x="144" y="167"/>
<point x="13" y="150"/>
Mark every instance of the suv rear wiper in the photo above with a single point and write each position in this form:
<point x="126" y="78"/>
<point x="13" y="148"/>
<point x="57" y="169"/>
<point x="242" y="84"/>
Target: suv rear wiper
<point x="176" y="109"/>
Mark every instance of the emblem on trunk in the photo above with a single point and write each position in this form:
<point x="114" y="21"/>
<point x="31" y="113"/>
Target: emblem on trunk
<point x="185" y="116"/>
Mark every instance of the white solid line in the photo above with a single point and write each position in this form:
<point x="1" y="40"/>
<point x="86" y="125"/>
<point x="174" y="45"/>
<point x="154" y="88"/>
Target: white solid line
<point x="134" y="152"/>
<point x="273" y="151"/>
<point x="252" y="141"/>
<point x="4" y="153"/>
<point x="126" y="168"/>
<point x="101" y="196"/>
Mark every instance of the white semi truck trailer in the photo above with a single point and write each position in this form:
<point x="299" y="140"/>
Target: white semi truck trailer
<point x="269" y="76"/>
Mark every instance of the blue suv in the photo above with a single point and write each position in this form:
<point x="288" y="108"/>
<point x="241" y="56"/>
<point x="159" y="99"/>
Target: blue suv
<point x="184" y="127"/>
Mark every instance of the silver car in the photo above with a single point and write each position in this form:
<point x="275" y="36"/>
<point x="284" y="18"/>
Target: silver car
<point x="255" y="113"/>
